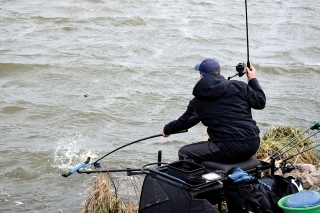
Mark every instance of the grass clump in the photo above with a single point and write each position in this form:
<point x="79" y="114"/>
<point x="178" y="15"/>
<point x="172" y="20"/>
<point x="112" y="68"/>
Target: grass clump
<point x="290" y="141"/>
<point x="102" y="199"/>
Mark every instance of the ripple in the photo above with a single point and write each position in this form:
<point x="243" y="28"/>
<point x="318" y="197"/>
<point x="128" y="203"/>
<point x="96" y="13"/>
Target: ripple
<point x="12" y="109"/>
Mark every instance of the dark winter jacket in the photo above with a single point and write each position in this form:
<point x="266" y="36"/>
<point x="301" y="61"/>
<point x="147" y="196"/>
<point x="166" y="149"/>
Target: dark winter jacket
<point x="224" y="107"/>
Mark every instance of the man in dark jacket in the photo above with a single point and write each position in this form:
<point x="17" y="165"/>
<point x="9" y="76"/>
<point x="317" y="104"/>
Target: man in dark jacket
<point x="224" y="106"/>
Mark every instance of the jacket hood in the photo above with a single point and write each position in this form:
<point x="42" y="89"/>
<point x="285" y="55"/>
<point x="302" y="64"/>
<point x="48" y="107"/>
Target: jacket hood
<point x="210" y="87"/>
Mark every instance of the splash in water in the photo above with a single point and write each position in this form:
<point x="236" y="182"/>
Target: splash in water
<point x="71" y="150"/>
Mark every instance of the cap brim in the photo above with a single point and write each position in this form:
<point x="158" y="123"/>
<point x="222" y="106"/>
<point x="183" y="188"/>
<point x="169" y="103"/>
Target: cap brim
<point x="196" y="68"/>
<point x="204" y="74"/>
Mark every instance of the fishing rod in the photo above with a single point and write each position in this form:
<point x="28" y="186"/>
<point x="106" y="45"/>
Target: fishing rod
<point x="240" y="67"/>
<point x="288" y="168"/>
<point x="96" y="164"/>
<point x="299" y="153"/>
<point x="248" y="61"/>
<point x="129" y="171"/>
<point x="298" y="143"/>
<point x="278" y="153"/>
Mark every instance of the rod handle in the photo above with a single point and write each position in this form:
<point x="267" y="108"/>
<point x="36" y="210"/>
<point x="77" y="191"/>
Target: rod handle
<point x="181" y="131"/>
<point x="75" y="169"/>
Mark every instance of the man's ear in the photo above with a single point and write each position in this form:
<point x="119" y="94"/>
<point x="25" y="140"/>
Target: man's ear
<point x="215" y="72"/>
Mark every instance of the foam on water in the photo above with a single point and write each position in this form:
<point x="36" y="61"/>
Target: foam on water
<point x="70" y="152"/>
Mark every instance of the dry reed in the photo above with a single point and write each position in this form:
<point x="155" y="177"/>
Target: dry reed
<point x="290" y="141"/>
<point x="102" y="199"/>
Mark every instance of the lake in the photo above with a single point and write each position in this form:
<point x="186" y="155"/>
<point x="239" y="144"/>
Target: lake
<point x="81" y="78"/>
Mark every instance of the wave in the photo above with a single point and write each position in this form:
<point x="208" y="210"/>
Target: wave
<point x="15" y="67"/>
<point x="12" y="109"/>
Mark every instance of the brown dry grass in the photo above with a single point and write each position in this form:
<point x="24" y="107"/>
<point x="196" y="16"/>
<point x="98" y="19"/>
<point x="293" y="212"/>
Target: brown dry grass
<point x="102" y="199"/>
<point x="289" y="138"/>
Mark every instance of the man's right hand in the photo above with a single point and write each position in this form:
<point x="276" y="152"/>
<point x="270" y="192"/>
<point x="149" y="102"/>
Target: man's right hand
<point x="251" y="73"/>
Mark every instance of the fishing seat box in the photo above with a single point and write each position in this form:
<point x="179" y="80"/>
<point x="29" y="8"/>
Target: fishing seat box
<point x="252" y="166"/>
<point x="178" y="187"/>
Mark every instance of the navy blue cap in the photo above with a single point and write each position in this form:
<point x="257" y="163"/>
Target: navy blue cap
<point x="207" y="66"/>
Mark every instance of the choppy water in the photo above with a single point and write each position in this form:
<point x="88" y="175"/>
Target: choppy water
<point x="134" y="61"/>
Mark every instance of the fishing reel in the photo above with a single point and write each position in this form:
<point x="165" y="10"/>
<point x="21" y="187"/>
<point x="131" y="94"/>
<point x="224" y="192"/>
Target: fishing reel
<point x="286" y="168"/>
<point x="240" y="69"/>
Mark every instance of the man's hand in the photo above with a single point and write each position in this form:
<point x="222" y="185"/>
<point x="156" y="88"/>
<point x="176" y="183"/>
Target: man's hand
<point x="251" y="73"/>
<point x="164" y="135"/>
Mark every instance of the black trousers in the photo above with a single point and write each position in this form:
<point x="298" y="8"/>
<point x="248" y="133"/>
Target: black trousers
<point x="225" y="152"/>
